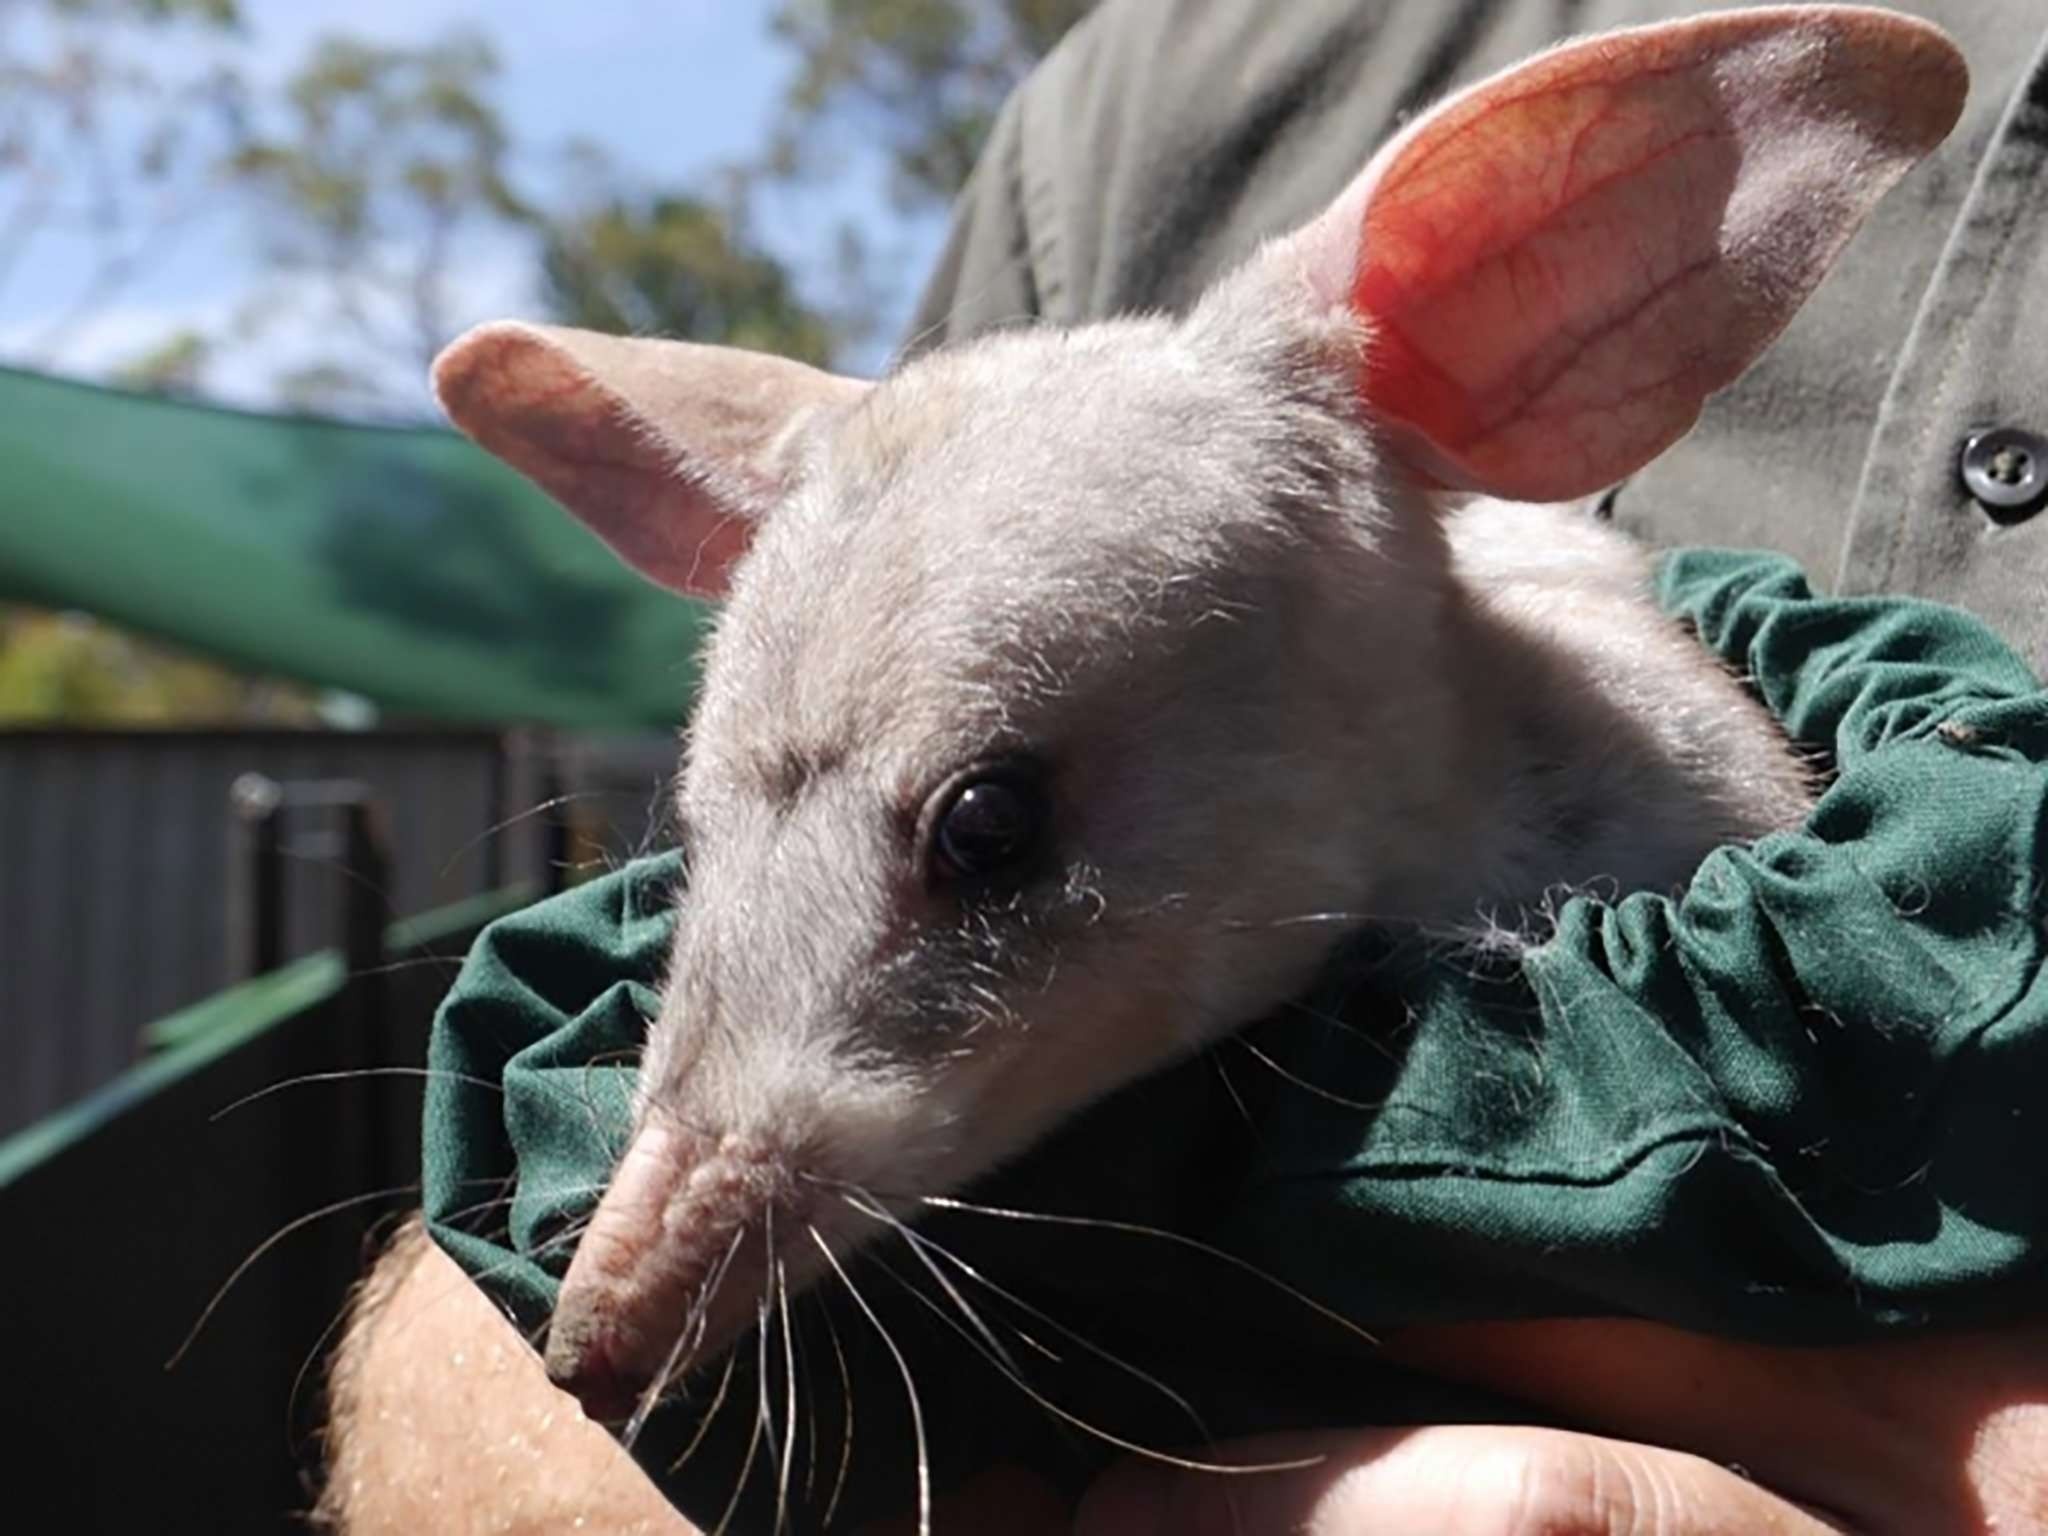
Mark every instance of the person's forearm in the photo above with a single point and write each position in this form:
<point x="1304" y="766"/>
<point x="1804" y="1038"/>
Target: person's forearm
<point x="441" y="1420"/>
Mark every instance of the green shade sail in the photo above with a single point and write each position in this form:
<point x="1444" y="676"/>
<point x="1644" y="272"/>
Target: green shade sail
<point x="399" y="563"/>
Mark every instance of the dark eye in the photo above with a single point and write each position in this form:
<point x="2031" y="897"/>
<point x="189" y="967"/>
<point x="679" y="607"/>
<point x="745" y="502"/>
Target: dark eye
<point x="989" y="825"/>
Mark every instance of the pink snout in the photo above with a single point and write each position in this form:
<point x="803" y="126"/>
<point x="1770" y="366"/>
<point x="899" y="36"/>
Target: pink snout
<point x="682" y="1213"/>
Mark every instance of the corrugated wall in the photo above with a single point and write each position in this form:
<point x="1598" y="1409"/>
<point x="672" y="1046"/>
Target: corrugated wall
<point x="115" y="864"/>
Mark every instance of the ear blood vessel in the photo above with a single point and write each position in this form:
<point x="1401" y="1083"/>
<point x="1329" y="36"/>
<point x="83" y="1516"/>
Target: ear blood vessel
<point x="1251" y="591"/>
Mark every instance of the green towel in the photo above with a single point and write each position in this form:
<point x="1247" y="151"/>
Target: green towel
<point x="1799" y="1104"/>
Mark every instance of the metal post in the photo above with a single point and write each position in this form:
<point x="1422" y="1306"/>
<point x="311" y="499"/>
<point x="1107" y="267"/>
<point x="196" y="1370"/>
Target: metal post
<point x="255" y="896"/>
<point x="366" y="883"/>
<point x="557" y="843"/>
<point x="366" y="1035"/>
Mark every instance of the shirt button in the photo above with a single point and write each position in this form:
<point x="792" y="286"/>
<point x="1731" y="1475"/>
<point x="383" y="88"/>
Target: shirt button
<point x="2006" y="469"/>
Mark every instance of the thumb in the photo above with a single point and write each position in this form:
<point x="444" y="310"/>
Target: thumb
<point x="1458" y="1480"/>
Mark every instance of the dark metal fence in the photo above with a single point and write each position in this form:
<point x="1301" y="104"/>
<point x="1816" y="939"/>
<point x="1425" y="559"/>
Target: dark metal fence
<point x="132" y="1207"/>
<point x="140" y="875"/>
<point x="141" y="871"/>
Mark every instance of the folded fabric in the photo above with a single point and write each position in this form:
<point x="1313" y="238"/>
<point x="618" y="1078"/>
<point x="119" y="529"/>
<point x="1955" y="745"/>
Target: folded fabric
<point x="1799" y="1102"/>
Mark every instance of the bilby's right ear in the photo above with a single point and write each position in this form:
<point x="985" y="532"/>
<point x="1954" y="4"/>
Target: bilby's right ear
<point x="672" y="453"/>
<point x="1556" y="267"/>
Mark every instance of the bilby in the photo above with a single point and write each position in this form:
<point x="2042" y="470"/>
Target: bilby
<point x="1059" y="673"/>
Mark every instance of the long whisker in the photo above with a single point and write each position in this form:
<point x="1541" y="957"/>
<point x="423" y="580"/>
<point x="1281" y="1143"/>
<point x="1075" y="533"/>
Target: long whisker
<point x="568" y="1234"/>
<point x="1473" y="934"/>
<point x="1137" y="1229"/>
<point x="1230" y="1087"/>
<point x="311" y="1358"/>
<point x="846" y="1423"/>
<point x="764" y="1414"/>
<point x="867" y="1207"/>
<point x="313" y="1355"/>
<point x="1096" y="1430"/>
<point x="306" y="1362"/>
<point x="789" y="1398"/>
<point x="351" y="1074"/>
<point x="924" y="1466"/>
<point x="919" y="1240"/>
<point x="695" y="1324"/>
<point x="1301" y="1082"/>
<point x="1368" y="1038"/>
<point x="704" y="1424"/>
<point x="746" y="1469"/>
<point x="588" y="1103"/>
<point x="409" y="963"/>
<point x="342" y="1315"/>
<point x="881" y="1212"/>
<point x="650" y="1395"/>
<point x="463" y="1213"/>
<point x="269" y="1243"/>
<point x="553" y="802"/>
<point x="811" y="1424"/>
<point x="1306" y="920"/>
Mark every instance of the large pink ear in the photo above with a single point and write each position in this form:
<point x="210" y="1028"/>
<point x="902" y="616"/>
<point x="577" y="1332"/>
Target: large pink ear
<point x="671" y="452"/>
<point x="1558" y="266"/>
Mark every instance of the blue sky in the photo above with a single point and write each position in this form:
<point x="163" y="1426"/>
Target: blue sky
<point x="671" y="88"/>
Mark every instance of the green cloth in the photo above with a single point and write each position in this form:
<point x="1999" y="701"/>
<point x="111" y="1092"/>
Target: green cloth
<point x="1802" y="1103"/>
<point x="403" y="564"/>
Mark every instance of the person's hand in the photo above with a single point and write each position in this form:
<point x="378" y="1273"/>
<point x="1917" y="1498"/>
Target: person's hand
<point x="1449" y="1480"/>
<point x="1933" y="1436"/>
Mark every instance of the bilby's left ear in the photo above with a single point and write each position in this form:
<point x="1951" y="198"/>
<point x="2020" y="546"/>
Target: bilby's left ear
<point x="672" y="453"/>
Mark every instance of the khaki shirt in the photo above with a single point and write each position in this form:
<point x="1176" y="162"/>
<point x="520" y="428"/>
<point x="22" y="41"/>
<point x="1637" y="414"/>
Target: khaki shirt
<point x="1164" y="138"/>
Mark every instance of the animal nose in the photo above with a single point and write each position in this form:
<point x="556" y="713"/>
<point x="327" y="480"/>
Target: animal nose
<point x="674" y="1224"/>
<point x="586" y="1365"/>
